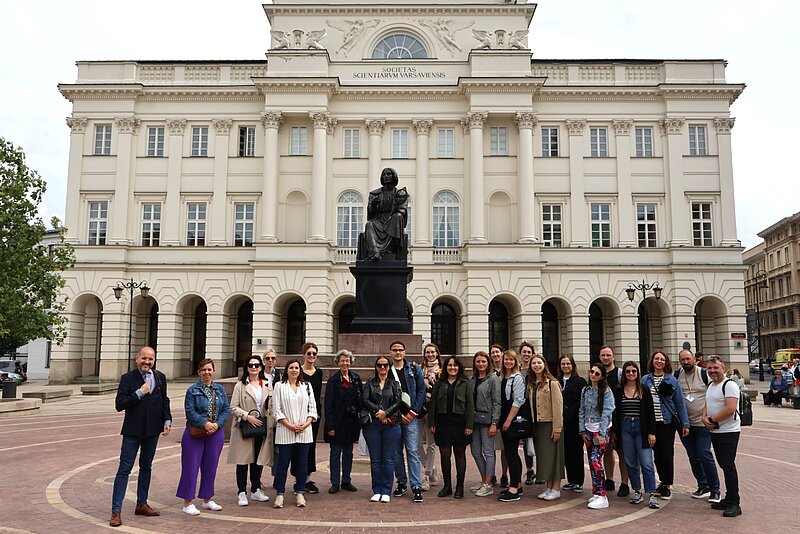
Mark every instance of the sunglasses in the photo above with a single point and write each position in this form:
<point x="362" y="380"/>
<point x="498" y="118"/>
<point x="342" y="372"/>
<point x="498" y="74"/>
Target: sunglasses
<point x="382" y="365"/>
<point x="270" y="359"/>
<point x="311" y="353"/>
<point x="595" y="373"/>
<point x="631" y="371"/>
<point x="253" y="365"/>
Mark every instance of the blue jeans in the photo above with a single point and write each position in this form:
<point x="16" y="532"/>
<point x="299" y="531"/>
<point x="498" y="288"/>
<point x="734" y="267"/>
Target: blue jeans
<point x="698" y="449"/>
<point x="127" y="456"/>
<point x="411" y="442"/>
<point x="637" y="457"/>
<point x="341" y="460"/>
<point x="382" y="441"/>
<point x="297" y="454"/>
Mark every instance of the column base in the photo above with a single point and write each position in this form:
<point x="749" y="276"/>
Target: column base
<point x="531" y="239"/>
<point x="267" y="239"/>
<point x="477" y="241"/>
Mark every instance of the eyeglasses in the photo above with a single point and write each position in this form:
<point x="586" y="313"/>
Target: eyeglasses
<point x="631" y="371"/>
<point x="382" y="365"/>
<point x="311" y="353"/>
<point x="253" y="365"/>
<point x="398" y="350"/>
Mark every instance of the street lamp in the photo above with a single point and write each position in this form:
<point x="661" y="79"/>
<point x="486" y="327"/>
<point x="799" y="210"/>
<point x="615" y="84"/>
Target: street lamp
<point x="643" y="287"/>
<point x="761" y="283"/>
<point x="130" y="287"/>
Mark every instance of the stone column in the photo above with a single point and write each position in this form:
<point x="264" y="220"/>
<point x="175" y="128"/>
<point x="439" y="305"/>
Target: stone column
<point x="578" y="208"/>
<point x="217" y="220"/>
<point x="123" y="191"/>
<point x="171" y="229"/>
<point x="727" y="203"/>
<point x="269" y="190"/>
<point x="627" y="212"/>
<point x="77" y="127"/>
<point x="422" y="202"/>
<point x="172" y="355"/>
<point x="218" y="347"/>
<point x="626" y="337"/>
<point x="375" y="128"/>
<point x="321" y="122"/>
<point x="578" y="333"/>
<point x="526" y="203"/>
<point x="671" y="130"/>
<point x="477" y="213"/>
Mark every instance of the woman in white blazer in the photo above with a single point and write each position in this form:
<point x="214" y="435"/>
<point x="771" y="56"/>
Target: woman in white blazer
<point x="295" y="409"/>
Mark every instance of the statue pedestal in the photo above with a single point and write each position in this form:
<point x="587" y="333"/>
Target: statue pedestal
<point x="381" y="297"/>
<point x="369" y="346"/>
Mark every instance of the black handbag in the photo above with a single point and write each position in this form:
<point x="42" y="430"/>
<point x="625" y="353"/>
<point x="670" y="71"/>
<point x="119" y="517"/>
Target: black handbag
<point x="250" y="430"/>
<point x="521" y="426"/>
<point x="364" y="418"/>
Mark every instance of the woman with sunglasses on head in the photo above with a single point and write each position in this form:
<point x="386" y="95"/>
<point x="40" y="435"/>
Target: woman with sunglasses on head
<point x="431" y="370"/>
<point x="548" y="410"/>
<point x="670" y="413"/>
<point x="594" y="418"/>
<point x="512" y="399"/>
<point x="250" y="402"/>
<point x="271" y="371"/>
<point x="485" y="387"/>
<point x="381" y="402"/>
<point x="635" y="420"/>
<point x="572" y="385"/>
<point x="295" y="409"/>
<point x="496" y="366"/>
<point x="451" y="417"/>
<point x="342" y="404"/>
<point x="313" y="376"/>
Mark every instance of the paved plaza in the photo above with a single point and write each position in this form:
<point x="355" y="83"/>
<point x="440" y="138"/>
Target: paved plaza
<point x="58" y="468"/>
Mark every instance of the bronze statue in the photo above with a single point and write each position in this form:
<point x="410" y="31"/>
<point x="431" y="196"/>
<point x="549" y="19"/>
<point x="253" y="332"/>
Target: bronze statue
<point x="387" y="214"/>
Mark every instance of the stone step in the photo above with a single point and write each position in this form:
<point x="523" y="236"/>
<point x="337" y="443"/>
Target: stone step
<point x="102" y="388"/>
<point x="17" y="407"/>
<point x="48" y="393"/>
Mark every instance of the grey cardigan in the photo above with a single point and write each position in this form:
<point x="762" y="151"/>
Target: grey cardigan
<point x="487" y="402"/>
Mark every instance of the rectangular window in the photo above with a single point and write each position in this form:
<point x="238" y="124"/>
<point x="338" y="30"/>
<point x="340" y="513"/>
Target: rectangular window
<point x="778" y="255"/>
<point x="499" y="141"/>
<point x="601" y="225"/>
<point x="98" y="223"/>
<point x="646" y="225"/>
<point x="780" y="287"/>
<point x="196" y="224"/>
<point x="200" y="141"/>
<point x="786" y="255"/>
<point x="102" y="140"/>
<point x="644" y="142"/>
<point x="299" y="142"/>
<point x="789" y="285"/>
<point x="151" y="225"/>
<point x="352" y="142"/>
<point x="446" y="143"/>
<point x="549" y="142"/>
<point x="599" y="142"/>
<point x="701" y="224"/>
<point x="155" y="141"/>
<point x="247" y="141"/>
<point x="697" y="140"/>
<point x="400" y="143"/>
<point x="551" y="225"/>
<point x="243" y="224"/>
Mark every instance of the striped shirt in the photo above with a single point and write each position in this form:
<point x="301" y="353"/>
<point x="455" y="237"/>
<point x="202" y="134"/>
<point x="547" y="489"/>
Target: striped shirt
<point x="656" y="399"/>
<point x="629" y="407"/>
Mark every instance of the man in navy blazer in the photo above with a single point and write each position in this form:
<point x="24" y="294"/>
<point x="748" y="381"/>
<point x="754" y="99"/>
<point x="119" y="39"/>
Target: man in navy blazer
<point x="142" y="394"/>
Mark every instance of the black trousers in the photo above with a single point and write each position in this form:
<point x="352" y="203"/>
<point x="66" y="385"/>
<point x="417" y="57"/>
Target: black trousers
<point x="573" y="453"/>
<point x="664" y="453"/>
<point x="255" y="470"/>
<point x="725" y="445"/>
<point x="511" y="448"/>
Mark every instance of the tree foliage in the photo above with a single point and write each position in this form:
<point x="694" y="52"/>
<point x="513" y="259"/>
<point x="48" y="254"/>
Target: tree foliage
<point x="30" y="273"/>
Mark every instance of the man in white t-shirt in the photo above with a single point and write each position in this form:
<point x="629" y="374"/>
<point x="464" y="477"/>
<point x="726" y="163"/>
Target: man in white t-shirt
<point x="721" y="417"/>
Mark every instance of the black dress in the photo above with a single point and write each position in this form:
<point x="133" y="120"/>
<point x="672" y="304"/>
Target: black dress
<point x="450" y="428"/>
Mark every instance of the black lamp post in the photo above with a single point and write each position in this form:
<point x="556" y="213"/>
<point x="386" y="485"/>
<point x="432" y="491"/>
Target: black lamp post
<point x="130" y="287"/>
<point x="644" y="288"/>
<point x="761" y="283"/>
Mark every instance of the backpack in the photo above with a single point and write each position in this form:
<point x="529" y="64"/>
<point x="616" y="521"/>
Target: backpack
<point x="745" y="411"/>
<point x="703" y="375"/>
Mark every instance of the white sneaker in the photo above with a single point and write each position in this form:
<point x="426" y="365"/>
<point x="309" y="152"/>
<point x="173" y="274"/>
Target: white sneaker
<point x="259" y="496"/>
<point x="190" y="510"/>
<point x="375" y="498"/>
<point x="476" y="487"/>
<point x="211" y="505"/>
<point x="385" y="498"/>
<point x="426" y="483"/>
<point x="278" y="502"/>
<point x="553" y="495"/>
<point x="593" y="498"/>
<point x="543" y="494"/>
<point x="485" y="491"/>
<point x="301" y="500"/>
<point x="243" y="499"/>
<point x="599" y="502"/>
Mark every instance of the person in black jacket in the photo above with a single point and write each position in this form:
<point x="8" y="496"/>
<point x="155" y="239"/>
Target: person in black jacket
<point x="572" y="385"/>
<point x="142" y="394"/>
<point x="635" y="419"/>
<point x="342" y="404"/>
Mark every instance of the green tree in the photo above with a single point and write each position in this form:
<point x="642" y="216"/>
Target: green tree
<point x="30" y="273"/>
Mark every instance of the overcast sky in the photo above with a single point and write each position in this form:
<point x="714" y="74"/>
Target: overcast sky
<point x="40" y="41"/>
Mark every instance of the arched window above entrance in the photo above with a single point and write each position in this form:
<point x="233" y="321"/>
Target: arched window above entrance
<point x="399" y="46"/>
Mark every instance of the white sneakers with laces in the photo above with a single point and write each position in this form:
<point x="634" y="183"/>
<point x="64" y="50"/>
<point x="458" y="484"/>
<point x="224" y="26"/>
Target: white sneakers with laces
<point x="259" y="496"/>
<point x="243" y="499"/>
<point x="190" y="510"/>
<point x="211" y="505"/>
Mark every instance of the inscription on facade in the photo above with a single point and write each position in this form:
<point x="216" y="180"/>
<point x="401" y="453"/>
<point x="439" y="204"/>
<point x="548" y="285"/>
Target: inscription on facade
<point x="399" y="73"/>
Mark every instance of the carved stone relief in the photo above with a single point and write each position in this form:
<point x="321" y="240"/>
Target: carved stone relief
<point x="671" y="126"/>
<point x="271" y="119"/>
<point x="222" y="126"/>
<point x="298" y="39"/>
<point x="622" y="127"/>
<point x="501" y="39"/>
<point x="176" y="127"/>
<point x="724" y="125"/>
<point x="375" y="126"/>
<point x="353" y="31"/>
<point x="576" y="127"/>
<point x="445" y="31"/>
<point x="77" y="124"/>
<point x="128" y="125"/>
<point x="526" y="119"/>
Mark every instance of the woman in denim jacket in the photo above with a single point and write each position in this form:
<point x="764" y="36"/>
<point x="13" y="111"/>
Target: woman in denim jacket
<point x="202" y="453"/>
<point x="671" y="415"/>
<point x="594" y="418"/>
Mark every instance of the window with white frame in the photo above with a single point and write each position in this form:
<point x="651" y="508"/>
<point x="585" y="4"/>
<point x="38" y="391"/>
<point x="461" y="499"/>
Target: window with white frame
<point x="646" y="225"/>
<point x="601" y="225"/>
<point x="598" y="138"/>
<point x="551" y="225"/>
<point x="298" y="145"/>
<point x="151" y="224"/>
<point x="644" y="142"/>
<point x="701" y="225"/>
<point x="399" y="142"/>
<point x="352" y="142"/>
<point x="155" y="141"/>
<point x="697" y="140"/>
<point x="247" y="141"/>
<point x="102" y="140"/>
<point x="349" y="218"/>
<point x="446" y="220"/>
<point x="549" y="142"/>
<point x="98" y="223"/>
<point x="196" y="224"/>
<point x="200" y="141"/>
<point x="498" y="141"/>
<point x="243" y="224"/>
<point x="446" y="143"/>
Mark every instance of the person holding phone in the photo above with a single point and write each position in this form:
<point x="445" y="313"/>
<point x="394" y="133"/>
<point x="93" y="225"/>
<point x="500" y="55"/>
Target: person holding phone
<point x="594" y="419"/>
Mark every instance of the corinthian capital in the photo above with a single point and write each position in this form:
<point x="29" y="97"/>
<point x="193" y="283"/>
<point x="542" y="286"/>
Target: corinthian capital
<point x="320" y="119"/>
<point x="422" y="126"/>
<point x="331" y="126"/>
<point x="77" y="124"/>
<point x="526" y="119"/>
<point x="176" y="126"/>
<point x="476" y="119"/>
<point x="622" y="127"/>
<point x="576" y="127"/>
<point x="375" y="126"/>
<point x="222" y="126"/>
<point x="129" y="125"/>
<point x="724" y="125"/>
<point x="671" y="126"/>
<point x="272" y="119"/>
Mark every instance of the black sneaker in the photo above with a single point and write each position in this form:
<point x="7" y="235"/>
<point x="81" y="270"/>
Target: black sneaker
<point x="520" y="491"/>
<point x="494" y="480"/>
<point x="624" y="491"/>
<point x="348" y="486"/>
<point x="311" y="487"/>
<point x="721" y="505"/>
<point x="400" y="490"/>
<point x="417" y="494"/>
<point x="610" y="486"/>
<point x="657" y="492"/>
<point x="334" y="488"/>
<point x="508" y="497"/>
<point x="666" y="494"/>
<point x="714" y="497"/>
<point x="700" y="493"/>
<point x="529" y="478"/>
<point x="732" y="511"/>
<point x="503" y="481"/>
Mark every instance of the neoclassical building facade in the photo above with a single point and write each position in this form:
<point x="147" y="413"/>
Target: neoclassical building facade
<point x="540" y="189"/>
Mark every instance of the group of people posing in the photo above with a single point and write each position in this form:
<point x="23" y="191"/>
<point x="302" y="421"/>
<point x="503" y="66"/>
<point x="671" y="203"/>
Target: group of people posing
<point x="406" y="411"/>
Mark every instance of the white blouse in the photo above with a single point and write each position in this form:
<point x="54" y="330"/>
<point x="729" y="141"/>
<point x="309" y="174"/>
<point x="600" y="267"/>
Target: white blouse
<point x="295" y="407"/>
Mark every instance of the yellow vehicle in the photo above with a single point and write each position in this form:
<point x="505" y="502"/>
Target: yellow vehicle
<point x="785" y="356"/>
